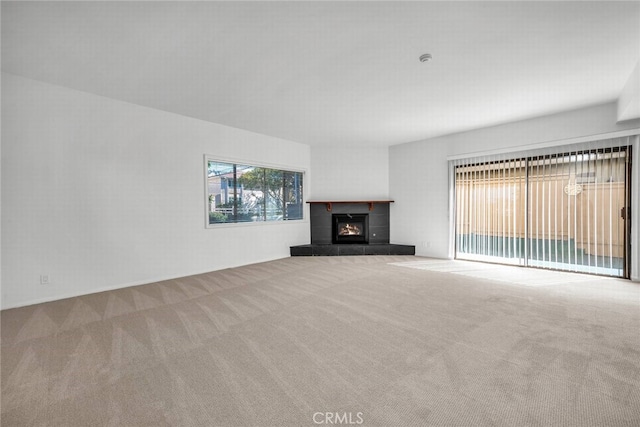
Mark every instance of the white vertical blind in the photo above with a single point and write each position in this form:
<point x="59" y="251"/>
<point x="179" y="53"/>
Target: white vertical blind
<point x="557" y="209"/>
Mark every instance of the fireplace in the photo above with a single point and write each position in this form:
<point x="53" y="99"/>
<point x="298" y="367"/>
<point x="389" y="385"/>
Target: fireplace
<point x="350" y="228"/>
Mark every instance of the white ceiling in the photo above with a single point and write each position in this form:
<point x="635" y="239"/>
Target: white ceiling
<point x="332" y="73"/>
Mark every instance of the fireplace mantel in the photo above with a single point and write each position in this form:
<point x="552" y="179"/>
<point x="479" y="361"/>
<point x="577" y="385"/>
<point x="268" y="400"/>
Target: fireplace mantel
<point x="329" y="203"/>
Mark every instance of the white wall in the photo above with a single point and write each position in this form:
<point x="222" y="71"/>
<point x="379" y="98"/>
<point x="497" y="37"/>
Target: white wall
<point x="1" y="299"/>
<point x="98" y="194"/>
<point x="418" y="171"/>
<point x="349" y="173"/>
<point x="418" y="184"/>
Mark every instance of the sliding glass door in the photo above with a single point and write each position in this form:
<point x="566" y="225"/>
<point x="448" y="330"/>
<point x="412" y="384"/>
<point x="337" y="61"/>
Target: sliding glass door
<point x="562" y="211"/>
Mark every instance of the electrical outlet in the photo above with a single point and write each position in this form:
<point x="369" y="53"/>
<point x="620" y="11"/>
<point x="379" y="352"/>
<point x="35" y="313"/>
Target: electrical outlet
<point x="44" y="279"/>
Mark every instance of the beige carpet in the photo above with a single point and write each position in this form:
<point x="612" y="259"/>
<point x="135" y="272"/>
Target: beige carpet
<point x="310" y="341"/>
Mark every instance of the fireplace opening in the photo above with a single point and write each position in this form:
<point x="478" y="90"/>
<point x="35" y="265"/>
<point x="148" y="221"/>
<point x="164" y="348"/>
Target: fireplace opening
<point x="350" y="228"/>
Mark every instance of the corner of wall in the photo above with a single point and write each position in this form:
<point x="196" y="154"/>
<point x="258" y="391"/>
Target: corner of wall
<point x="629" y="100"/>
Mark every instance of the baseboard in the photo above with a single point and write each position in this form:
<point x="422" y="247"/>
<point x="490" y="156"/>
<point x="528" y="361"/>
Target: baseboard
<point x="123" y="285"/>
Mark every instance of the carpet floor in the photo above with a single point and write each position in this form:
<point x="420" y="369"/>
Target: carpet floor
<point x="305" y="341"/>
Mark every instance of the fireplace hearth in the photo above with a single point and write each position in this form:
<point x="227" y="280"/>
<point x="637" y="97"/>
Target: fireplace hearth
<point x="350" y="228"/>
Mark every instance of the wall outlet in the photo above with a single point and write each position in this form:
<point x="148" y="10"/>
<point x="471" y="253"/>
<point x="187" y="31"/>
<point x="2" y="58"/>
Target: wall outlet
<point x="44" y="279"/>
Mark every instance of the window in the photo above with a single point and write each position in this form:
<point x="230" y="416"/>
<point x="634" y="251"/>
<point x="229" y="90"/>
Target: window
<point x="561" y="211"/>
<point x="244" y="193"/>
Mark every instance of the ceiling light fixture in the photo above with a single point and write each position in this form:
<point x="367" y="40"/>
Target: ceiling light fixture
<point x="426" y="57"/>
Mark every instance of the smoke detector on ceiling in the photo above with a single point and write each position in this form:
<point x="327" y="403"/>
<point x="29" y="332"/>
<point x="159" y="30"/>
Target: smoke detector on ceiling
<point x="426" y="57"/>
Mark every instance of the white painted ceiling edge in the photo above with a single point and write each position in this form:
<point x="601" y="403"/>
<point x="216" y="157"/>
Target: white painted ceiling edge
<point x="335" y="73"/>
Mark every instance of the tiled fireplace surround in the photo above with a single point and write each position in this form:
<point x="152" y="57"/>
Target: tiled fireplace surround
<point x="321" y="219"/>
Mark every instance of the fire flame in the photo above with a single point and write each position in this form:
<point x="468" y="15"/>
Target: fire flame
<point x="349" y="230"/>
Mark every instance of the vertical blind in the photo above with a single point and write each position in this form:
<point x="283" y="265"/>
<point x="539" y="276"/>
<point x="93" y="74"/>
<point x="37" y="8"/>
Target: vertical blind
<point x="565" y="210"/>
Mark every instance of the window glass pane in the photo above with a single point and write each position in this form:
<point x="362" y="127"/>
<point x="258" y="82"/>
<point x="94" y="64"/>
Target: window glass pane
<point x="292" y="195"/>
<point x="220" y="189"/>
<point x="251" y="181"/>
<point x="275" y="193"/>
<point x="241" y="201"/>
